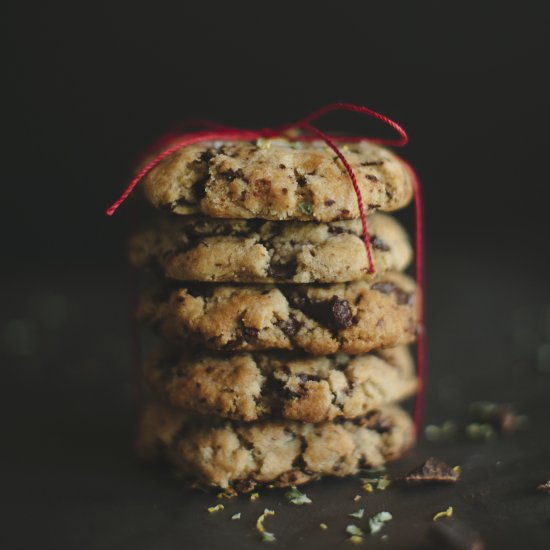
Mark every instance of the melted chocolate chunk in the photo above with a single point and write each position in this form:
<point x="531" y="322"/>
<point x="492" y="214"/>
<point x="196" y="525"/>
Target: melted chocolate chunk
<point x="370" y="177"/>
<point x="204" y="157"/>
<point x="372" y="163"/>
<point x="282" y="271"/>
<point x="308" y="378"/>
<point x="330" y="202"/>
<point x="289" y="326"/>
<point x="432" y="471"/>
<point x="374" y="421"/>
<point x="300" y="178"/>
<point x="386" y="287"/>
<point x="199" y="188"/>
<point x="334" y="313"/>
<point x="378" y="243"/>
<point x="337" y="230"/>
<point x="250" y="335"/>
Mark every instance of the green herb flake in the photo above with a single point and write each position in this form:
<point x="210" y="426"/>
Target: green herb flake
<point x="296" y="497"/>
<point x="323" y="526"/>
<point x="383" y="483"/>
<point x="354" y="530"/>
<point x="236" y="516"/>
<point x="306" y="208"/>
<point x="377" y="522"/>
<point x="356" y="539"/>
<point x="266" y="536"/>
<point x="358" y="514"/>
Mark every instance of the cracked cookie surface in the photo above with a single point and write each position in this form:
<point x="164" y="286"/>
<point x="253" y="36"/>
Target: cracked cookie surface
<point x="249" y="387"/>
<point x="353" y="318"/>
<point x="232" y="454"/>
<point x="189" y="248"/>
<point x="277" y="180"/>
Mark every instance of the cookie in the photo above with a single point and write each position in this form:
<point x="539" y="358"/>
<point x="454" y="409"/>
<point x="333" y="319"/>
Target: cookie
<point x="231" y="454"/>
<point x="249" y="386"/>
<point x="353" y="318"/>
<point x="205" y="249"/>
<point x="277" y="180"/>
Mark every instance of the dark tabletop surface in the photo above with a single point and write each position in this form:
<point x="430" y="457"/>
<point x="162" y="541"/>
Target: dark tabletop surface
<point x="71" y="479"/>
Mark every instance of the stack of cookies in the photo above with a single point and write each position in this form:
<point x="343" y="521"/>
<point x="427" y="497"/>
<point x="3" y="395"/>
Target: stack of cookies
<point x="282" y="355"/>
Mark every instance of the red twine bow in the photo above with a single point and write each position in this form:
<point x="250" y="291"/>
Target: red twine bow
<point x="212" y="131"/>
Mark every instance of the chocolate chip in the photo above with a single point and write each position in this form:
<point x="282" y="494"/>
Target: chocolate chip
<point x="199" y="188"/>
<point x="289" y="326"/>
<point x="344" y="212"/>
<point x="387" y="287"/>
<point x="282" y="271"/>
<point x="375" y="421"/>
<point x="370" y="177"/>
<point x="330" y="202"/>
<point x="250" y="334"/>
<point x="432" y="471"/>
<point x="372" y="163"/>
<point x="282" y="166"/>
<point x="334" y="313"/>
<point x="300" y="178"/>
<point x="378" y="243"/>
<point x="204" y="157"/>
<point x="308" y="378"/>
<point x="233" y="344"/>
<point x="342" y="312"/>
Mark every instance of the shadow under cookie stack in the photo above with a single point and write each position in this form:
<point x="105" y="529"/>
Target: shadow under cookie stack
<point x="283" y="357"/>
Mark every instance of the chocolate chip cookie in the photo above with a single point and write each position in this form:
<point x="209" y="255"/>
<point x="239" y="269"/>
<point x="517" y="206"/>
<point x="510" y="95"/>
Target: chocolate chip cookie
<point x="224" y="454"/>
<point x="353" y="318"/>
<point x="249" y="387"/>
<point x="189" y="248"/>
<point x="277" y="180"/>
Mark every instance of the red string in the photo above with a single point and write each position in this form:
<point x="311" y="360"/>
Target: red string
<point x="360" y="204"/>
<point x="212" y="131"/>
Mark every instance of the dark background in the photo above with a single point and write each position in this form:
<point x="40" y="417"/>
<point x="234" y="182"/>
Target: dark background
<point x="89" y="86"/>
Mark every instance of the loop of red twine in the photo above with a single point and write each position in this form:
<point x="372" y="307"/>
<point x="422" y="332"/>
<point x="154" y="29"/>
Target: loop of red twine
<point x="213" y="131"/>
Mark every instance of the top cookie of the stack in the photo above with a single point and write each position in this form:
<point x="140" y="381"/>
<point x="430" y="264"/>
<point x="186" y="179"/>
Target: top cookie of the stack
<point x="277" y="180"/>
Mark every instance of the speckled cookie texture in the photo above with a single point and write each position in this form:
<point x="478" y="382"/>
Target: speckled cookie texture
<point x="248" y="387"/>
<point x="277" y="180"/>
<point x="224" y="454"/>
<point x="352" y="317"/>
<point x="188" y="248"/>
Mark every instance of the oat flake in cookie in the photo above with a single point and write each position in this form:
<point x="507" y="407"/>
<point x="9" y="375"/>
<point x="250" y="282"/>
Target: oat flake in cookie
<point x="278" y="180"/>
<point x="352" y="317"/>
<point x="252" y="386"/>
<point x="189" y="248"/>
<point x="224" y="454"/>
